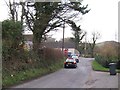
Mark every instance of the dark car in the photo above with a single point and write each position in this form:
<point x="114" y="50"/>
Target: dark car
<point x="70" y="62"/>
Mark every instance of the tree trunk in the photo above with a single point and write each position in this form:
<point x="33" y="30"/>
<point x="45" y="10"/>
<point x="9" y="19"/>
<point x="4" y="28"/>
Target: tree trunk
<point x="36" y="42"/>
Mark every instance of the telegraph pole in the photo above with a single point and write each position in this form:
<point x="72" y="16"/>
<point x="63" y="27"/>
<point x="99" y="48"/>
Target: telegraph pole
<point x="63" y="35"/>
<point x="85" y="45"/>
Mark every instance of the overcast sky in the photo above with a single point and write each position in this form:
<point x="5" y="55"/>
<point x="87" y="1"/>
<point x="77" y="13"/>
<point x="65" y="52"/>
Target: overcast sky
<point x="102" y="18"/>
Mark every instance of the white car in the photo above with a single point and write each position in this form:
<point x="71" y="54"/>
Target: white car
<point x="76" y="58"/>
<point x="70" y="62"/>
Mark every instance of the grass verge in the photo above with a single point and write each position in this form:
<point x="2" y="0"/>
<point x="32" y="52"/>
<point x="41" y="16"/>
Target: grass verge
<point x="97" y="67"/>
<point x="20" y="77"/>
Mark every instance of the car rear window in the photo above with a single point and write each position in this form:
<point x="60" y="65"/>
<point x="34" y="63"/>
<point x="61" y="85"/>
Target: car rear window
<point x="75" y="57"/>
<point x="70" y="60"/>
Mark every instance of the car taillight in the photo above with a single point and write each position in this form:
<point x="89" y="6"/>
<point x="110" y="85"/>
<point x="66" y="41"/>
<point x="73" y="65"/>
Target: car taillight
<point x="64" y="62"/>
<point x="74" y="62"/>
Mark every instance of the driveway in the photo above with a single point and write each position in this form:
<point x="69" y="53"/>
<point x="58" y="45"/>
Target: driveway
<point x="81" y="77"/>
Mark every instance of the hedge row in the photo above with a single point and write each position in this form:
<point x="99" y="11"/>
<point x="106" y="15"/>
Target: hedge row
<point x="105" y="61"/>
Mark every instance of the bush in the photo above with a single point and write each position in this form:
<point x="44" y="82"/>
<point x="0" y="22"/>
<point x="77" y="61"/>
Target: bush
<point x="108" y="53"/>
<point x="26" y="60"/>
<point x="104" y="61"/>
<point x="50" y="56"/>
<point x="11" y="39"/>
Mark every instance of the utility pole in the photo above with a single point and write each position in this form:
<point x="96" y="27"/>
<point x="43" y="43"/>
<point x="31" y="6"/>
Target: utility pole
<point x="85" y="45"/>
<point x="63" y="35"/>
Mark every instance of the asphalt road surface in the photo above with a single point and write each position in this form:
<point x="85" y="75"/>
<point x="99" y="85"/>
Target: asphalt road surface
<point x="81" y="77"/>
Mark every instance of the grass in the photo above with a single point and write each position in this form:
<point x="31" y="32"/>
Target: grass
<point x="20" y="77"/>
<point x="97" y="67"/>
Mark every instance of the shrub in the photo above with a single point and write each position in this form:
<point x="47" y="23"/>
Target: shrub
<point x="108" y="53"/>
<point x="50" y="56"/>
<point x="26" y="60"/>
<point x="11" y="39"/>
<point x="104" y="61"/>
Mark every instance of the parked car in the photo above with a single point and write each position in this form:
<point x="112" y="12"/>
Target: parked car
<point x="70" y="62"/>
<point x="76" y="58"/>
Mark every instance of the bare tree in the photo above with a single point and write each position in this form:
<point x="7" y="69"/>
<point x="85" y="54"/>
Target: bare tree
<point x="95" y="37"/>
<point x="13" y="9"/>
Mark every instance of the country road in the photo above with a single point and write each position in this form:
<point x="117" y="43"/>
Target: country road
<point x="81" y="77"/>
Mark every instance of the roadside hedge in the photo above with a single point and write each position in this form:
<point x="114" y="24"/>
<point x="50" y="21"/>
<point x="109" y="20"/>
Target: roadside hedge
<point x="34" y="64"/>
<point x="105" y="61"/>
